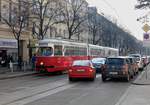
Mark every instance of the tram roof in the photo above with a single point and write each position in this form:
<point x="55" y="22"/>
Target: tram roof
<point x="66" y="42"/>
<point x="58" y="41"/>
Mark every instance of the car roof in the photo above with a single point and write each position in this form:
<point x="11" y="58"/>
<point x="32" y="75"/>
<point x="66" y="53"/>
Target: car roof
<point x="99" y="58"/>
<point x="122" y="57"/>
<point x="129" y="57"/>
<point x="82" y="61"/>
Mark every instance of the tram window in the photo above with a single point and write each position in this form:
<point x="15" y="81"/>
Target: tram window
<point x="58" y="50"/>
<point x="45" y="51"/>
<point x="75" y="51"/>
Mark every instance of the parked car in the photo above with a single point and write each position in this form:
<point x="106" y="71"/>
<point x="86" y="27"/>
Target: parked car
<point x="98" y="63"/>
<point x="82" y="69"/>
<point x="139" y="60"/>
<point x="117" y="67"/>
<point x="134" y="65"/>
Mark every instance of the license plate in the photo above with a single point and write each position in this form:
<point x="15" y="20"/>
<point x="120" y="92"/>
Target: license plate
<point x="113" y="73"/>
<point x="81" y="70"/>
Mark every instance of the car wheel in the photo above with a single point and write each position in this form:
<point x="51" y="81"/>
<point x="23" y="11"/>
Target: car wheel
<point x="134" y="72"/>
<point x="103" y="78"/>
<point x="71" y="79"/>
<point x="137" y="72"/>
<point x="92" y="79"/>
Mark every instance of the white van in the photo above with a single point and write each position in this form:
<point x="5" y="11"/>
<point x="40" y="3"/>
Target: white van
<point x="138" y="59"/>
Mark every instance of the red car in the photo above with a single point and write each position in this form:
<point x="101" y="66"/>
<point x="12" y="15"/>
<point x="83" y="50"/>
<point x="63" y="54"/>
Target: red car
<point x="82" y="69"/>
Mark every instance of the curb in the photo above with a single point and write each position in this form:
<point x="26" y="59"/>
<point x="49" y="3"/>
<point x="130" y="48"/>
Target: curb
<point x="19" y="75"/>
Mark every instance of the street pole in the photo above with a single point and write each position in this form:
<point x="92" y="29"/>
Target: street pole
<point x="88" y="52"/>
<point x="146" y="65"/>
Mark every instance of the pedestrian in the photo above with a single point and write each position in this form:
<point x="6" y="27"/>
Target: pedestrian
<point x="33" y="59"/>
<point x="20" y="63"/>
<point x="4" y="61"/>
<point x="9" y="59"/>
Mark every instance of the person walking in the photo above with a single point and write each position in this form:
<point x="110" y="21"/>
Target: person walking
<point x="20" y="63"/>
<point x="33" y="59"/>
<point x="9" y="60"/>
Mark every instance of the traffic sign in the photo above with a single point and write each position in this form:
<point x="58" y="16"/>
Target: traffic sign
<point x="146" y="27"/>
<point x="146" y="36"/>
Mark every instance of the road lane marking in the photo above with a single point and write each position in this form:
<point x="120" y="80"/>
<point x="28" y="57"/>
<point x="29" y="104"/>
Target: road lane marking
<point x="124" y="96"/>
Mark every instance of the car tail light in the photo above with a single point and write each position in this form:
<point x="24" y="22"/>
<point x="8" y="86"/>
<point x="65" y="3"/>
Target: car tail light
<point x="124" y="67"/>
<point x="91" y="70"/>
<point x="70" y="70"/>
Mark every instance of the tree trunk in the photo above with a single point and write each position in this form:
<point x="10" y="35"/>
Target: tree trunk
<point x="70" y="35"/>
<point x="18" y="41"/>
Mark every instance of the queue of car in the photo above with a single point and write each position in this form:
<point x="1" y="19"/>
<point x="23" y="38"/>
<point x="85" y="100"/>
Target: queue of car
<point x="125" y="67"/>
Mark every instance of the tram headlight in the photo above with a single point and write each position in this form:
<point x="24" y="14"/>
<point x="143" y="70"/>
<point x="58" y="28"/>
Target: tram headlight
<point x="41" y="63"/>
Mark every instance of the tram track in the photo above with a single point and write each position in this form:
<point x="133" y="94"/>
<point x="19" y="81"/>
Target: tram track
<point x="32" y="94"/>
<point x="29" y="92"/>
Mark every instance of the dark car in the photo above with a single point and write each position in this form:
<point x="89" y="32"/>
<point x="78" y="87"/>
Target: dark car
<point x="117" y="67"/>
<point x="98" y="63"/>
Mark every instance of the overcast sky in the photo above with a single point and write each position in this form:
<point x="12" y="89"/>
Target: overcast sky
<point x="124" y="12"/>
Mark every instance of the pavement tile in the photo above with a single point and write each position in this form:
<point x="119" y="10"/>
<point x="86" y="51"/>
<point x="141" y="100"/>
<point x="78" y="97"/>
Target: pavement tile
<point x="136" y="95"/>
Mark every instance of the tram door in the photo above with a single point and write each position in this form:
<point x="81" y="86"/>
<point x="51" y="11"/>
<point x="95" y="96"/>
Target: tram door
<point x="58" y="50"/>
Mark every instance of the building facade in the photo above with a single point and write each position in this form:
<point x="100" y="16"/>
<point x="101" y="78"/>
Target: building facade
<point x="8" y="42"/>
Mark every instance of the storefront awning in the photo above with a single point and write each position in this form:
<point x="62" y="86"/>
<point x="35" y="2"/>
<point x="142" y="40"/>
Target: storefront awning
<point x="8" y="43"/>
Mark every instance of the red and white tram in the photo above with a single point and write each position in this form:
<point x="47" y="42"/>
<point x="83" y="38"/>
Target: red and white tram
<point x="57" y="55"/>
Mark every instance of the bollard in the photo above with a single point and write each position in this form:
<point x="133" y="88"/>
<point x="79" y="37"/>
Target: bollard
<point x="11" y="66"/>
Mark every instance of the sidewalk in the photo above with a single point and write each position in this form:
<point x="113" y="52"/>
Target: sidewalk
<point x="139" y="92"/>
<point x="144" y="77"/>
<point x="5" y="73"/>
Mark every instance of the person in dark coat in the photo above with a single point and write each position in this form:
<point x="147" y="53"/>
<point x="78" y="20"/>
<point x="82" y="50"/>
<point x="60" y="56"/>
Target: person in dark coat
<point x="20" y="62"/>
<point x="4" y="61"/>
<point x="9" y="59"/>
<point x="33" y="59"/>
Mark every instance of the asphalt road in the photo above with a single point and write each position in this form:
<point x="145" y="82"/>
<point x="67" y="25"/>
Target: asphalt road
<point x="57" y="90"/>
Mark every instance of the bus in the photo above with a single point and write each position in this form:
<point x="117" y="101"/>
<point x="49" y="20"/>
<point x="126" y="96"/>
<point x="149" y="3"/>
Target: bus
<point x="55" y="55"/>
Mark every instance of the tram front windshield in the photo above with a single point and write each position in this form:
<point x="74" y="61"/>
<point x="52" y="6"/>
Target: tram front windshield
<point x="45" y="51"/>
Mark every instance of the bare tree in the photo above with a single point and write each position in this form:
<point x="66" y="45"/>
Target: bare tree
<point x="75" y="14"/>
<point x="94" y="24"/>
<point x="45" y="14"/>
<point x="18" y="19"/>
